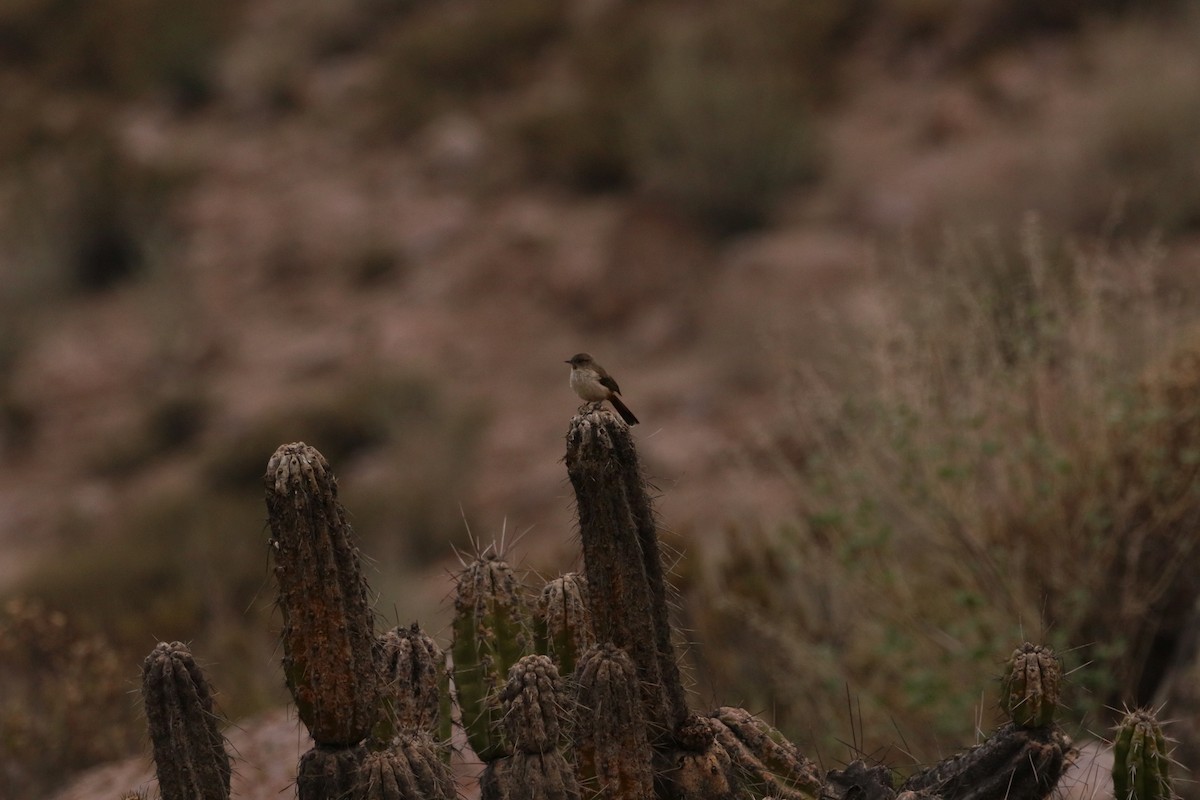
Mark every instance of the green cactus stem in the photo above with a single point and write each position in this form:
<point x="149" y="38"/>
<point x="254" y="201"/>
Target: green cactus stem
<point x="1141" y="761"/>
<point x="623" y="563"/>
<point x="563" y="625"/>
<point x="410" y="769"/>
<point x="1014" y="763"/>
<point x="329" y="773"/>
<point x="328" y="633"/>
<point x="612" y="750"/>
<point x="413" y="677"/>
<point x="189" y="751"/>
<point x="1031" y="688"/>
<point x="490" y="635"/>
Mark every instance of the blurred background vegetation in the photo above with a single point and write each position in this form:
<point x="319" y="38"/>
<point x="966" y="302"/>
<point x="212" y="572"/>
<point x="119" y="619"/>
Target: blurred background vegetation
<point x="209" y="246"/>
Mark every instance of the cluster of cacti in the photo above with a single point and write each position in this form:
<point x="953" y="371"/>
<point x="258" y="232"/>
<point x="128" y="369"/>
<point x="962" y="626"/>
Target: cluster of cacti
<point x="576" y="694"/>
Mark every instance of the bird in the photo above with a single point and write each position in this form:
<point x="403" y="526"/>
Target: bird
<point x="593" y="384"/>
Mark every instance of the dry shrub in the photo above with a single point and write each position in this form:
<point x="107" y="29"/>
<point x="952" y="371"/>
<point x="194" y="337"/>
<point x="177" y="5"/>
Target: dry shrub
<point x="1141" y="168"/>
<point x="66" y="703"/>
<point x="1002" y="467"/>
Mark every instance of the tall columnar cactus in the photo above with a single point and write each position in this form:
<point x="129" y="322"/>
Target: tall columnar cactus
<point x="1141" y="761"/>
<point x="491" y="633"/>
<point x="563" y="624"/>
<point x="189" y="751"/>
<point x="1031" y="688"/>
<point x="328" y="630"/>
<point x="623" y="563"/>
<point x="536" y="706"/>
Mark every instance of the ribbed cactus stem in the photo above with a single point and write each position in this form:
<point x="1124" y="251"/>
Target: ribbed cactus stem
<point x="1141" y="761"/>
<point x="563" y="625"/>
<point x="536" y="708"/>
<point x="623" y="563"/>
<point x="328" y="634"/>
<point x="329" y="773"/>
<point x="613" y="754"/>
<point x="763" y="760"/>
<point x="490" y="635"/>
<point x="535" y="704"/>
<point x="411" y="768"/>
<point x="189" y="751"/>
<point x="1031" y="688"/>
<point x="413" y="674"/>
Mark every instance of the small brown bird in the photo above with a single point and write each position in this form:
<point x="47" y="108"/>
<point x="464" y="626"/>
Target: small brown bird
<point x="592" y="383"/>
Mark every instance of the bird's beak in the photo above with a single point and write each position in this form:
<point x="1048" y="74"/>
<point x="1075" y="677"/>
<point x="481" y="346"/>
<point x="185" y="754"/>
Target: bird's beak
<point x="568" y="361"/>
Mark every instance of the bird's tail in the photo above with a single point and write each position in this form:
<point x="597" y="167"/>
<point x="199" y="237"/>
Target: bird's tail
<point x="623" y="410"/>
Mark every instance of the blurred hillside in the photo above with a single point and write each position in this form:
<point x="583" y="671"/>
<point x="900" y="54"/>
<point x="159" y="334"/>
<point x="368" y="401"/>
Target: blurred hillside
<point x="380" y="226"/>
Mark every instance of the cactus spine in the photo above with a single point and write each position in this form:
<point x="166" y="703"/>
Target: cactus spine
<point x="189" y="751"/>
<point x="1141" y="762"/>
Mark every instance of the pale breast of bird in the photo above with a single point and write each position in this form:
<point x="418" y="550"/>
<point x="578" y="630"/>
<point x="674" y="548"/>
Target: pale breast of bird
<point x="587" y="385"/>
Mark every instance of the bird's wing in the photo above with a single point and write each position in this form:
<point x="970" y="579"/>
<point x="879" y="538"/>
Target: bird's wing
<point x="608" y="383"/>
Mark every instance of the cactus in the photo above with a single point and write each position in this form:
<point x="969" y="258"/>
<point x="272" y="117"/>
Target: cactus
<point x="563" y="625"/>
<point x="413" y="682"/>
<point x="1031" y="687"/>
<point x="612" y="749"/>
<point x="535" y="707"/>
<point x="1141" y="762"/>
<point x="189" y="751"/>
<point x="623" y="563"/>
<point x="329" y="772"/>
<point x="763" y="759"/>
<point x="490" y="635"/>
<point x="328" y="631"/>
<point x="1014" y="763"/>
<point x="409" y="769"/>
<point x="600" y="712"/>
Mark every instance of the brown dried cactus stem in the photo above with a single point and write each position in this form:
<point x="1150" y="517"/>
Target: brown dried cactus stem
<point x="612" y="752"/>
<point x="189" y="751"/>
<point x="1032" y="686"/>
<point x="1013" y="764"/>
<point x="413" y="674"/>
<point x="328" y="633"/>
<point x="623" y="563"/>
<point x="329" y="773"/>
<point x="409" y="769"/>
<point x="536" y="709"/>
